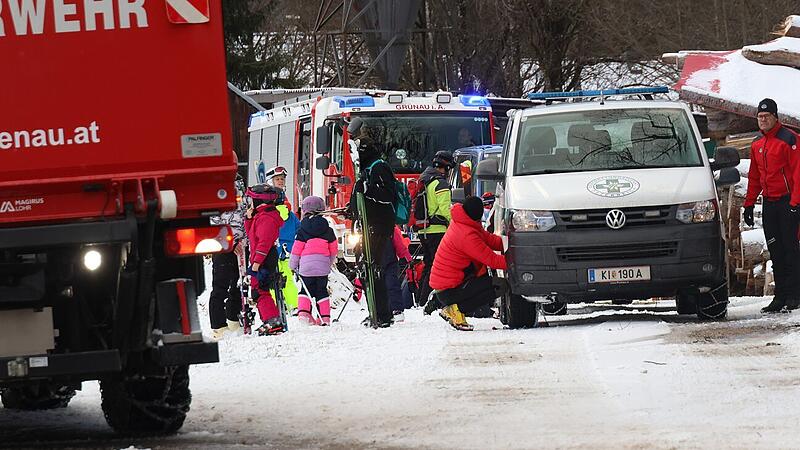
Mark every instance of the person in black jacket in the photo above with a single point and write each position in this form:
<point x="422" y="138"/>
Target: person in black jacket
<point x="377" y="182"/>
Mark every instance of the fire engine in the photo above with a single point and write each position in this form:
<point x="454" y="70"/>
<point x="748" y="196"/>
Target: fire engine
<point x="308" y="136"/>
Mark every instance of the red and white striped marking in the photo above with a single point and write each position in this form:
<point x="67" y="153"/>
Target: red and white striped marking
<point x="188" y="11"/>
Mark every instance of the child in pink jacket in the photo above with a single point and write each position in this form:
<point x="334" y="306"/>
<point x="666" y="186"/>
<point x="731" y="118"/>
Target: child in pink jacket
<point x="262" y="225"/>
<point x="314" y="252"/>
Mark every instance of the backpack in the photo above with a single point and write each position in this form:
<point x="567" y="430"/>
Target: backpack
<point x="402" y="201"/>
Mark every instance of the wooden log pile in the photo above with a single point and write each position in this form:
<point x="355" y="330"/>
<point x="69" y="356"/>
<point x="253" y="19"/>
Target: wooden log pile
<point x="783" y="51"/>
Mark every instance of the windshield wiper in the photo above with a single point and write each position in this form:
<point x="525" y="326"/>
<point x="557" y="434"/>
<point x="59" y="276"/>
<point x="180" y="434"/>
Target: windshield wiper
<point x="548" y="171"/>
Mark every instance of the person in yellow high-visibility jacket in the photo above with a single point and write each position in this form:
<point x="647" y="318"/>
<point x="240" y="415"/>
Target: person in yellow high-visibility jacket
<point x="437" y="212"/>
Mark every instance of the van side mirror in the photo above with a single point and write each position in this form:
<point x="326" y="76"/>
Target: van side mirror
<point x="725" y="157"/>
<point x="727" y="177"/>
<point x="489" y="170"/>
<point x="323" y="140"/>
<point x="322" y="163"/>
<point x="457" y="195"/>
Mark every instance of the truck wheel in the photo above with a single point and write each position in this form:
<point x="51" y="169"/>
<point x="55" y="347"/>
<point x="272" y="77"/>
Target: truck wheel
<point x="713" y="305"/>
<point x="519" y="313"/>
<point x="37" y="396"/>
<point x="140" y="404"/>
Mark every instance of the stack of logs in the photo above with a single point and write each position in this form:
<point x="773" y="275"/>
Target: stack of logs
<point x="747" y="260"/>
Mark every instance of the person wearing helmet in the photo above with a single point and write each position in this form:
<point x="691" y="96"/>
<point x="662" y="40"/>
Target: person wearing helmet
<point x="225" y="300"/>
<point x="436" y="201"/>
<point x="262" y="224"/>
<point x="276" y="177"/>
<point x="313" y="254"/>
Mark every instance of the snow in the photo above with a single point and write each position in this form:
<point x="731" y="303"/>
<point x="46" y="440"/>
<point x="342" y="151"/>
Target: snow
<point x="739" y="80"/>
<point x="794" y="20"/>
<point x="785" y="44"/>
<point x="754" y="237"/>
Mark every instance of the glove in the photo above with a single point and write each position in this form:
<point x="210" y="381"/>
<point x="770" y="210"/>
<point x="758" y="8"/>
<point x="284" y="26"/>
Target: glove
<point x="748" y="216"/>
<point x="794" y="209"/>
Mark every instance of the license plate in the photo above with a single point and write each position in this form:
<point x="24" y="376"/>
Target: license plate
<point x="619" y="274"/>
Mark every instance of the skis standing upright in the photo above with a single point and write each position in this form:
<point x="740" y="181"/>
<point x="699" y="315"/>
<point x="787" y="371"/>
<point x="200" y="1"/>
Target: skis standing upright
<point x="246" y="315"/>
<point x="367" y="264"/>
<point x="279" y="283"/>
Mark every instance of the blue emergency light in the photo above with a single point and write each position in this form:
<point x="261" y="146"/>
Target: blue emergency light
<point x="473" y="100"/>
<point x="361" y="101"/>
<point x="598" y="93"/>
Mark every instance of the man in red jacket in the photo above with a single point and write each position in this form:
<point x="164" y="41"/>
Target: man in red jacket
<point x="459" y="271"/>
<point x="775" y="173"/>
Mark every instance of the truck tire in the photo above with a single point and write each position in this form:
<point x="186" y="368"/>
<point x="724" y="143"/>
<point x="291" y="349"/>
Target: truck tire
<point x="36" y="397"/>
<point x="713" y="305"/>
<point x="518" y="312"/>
<point x="142" y="405"/>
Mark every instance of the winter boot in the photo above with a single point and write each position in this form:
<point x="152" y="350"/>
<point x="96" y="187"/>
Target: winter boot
<point x="271" y="327"/>
<point x="777" y="303"/>
<point x="233" y="325"/>
<point x="432" y="304"/>
<point x="304" y="310"/>
<point x="218" y="333"/>
<point x="455" y="318"/>
<point x="324" y="309"/>
<point x="398" y="316"/>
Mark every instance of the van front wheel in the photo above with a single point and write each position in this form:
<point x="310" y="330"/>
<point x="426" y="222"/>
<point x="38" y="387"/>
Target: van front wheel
<point x="518" y="312"/>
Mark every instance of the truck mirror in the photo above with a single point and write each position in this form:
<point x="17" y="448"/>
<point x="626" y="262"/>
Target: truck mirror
<point x="345" y="180"/>
<point x="457" y="195"/>
<point x="489" y="170"/>
<point x="323" y="140"/>
<point x="322" y="163"/>
<point x="727" y="177"/>
<point x="725" y="157"/>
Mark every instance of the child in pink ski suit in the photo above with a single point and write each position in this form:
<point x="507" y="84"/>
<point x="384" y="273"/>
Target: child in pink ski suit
<point x="262" y="224"/>
<point x="314" y="252"/>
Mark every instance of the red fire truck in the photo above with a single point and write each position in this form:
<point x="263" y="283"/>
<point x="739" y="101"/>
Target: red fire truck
<point x="115" y="148"/>
<point x="307" y="135"/>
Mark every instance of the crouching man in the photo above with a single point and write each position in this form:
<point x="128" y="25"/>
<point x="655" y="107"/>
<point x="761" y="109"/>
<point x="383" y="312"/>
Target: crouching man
<point x="459" y="273"/>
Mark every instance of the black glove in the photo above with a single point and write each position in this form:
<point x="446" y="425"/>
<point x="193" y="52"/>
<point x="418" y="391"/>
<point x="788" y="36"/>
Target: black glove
<point x="794" y="211"/>
<point x="748" y="215"/>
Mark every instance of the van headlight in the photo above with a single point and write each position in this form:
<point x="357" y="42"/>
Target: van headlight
<point x="529" y="220"/>
<point x="697" y="212"/>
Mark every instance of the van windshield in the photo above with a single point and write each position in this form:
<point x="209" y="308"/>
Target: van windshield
<point x="611" y="139"/>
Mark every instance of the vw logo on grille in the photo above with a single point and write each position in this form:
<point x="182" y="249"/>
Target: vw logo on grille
<point x="615" y="219"/>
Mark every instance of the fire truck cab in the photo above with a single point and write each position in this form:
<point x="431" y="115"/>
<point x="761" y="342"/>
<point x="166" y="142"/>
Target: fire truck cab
<point x="308" y="136"/>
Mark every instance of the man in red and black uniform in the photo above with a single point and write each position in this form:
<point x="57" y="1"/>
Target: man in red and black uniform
<point x="775" y="174"/>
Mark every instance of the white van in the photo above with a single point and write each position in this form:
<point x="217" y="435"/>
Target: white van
<point x="607" y="199"/>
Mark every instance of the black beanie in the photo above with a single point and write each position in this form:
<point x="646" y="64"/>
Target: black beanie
<point x="473" y="206"/>
<point x="768" y="105"/>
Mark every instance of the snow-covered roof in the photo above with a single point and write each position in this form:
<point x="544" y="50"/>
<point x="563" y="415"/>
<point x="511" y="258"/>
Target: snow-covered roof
<point x="786" y="44"/>
<point x="738" y="84"/>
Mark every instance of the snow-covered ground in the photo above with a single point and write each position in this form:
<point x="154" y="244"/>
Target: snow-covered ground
<point x="637" y="376"/>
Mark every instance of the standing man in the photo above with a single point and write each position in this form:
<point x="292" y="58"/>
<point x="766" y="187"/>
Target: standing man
<point x="225" y="300"/>
<point x="276" y="177"/>
<point x="775" y="173"/>
<point x="436" y="198"/>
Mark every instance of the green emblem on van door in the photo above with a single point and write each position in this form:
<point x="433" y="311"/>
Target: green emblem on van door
<point x="613" y="186"/>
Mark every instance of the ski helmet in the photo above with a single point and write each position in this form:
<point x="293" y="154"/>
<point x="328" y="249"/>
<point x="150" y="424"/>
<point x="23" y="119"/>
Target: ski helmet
<point x="312" y="204"/>
<point x="443" y="158"/>
<point x="265" y="193"/>
<point x="274" y="172"/>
